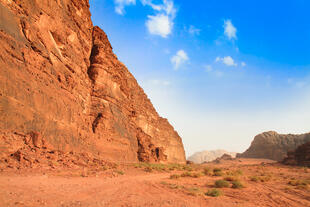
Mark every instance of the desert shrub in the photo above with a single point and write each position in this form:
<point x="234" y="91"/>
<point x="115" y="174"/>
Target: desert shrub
<point x="207" y="171"/>
<point x="187" y="168"/>
<point x="238" y="172"/>
<point x="237" y="184"/>
<point x="213" y="193"/>
<point x="174" y="176"/>
<point x="186" y="174"/>
<point x="119" y="172"/>
<point x="260" y="178"/>
<point x="299" y="182"/>
<point x="234" y="173"/>
<point x="231" y="178"/>
<point x="194" y="191"/>
<point x="254" y="178"/>
<point x="191" y="174"/>
<point x="217" y="170"/>
<point x="221" y="184"/>
<point x="196" y="175"/>
<point x="218" y="173"/>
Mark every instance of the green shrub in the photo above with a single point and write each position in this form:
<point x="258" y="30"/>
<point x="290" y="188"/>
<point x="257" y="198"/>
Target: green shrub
<point x="213" y="193"/>
<point x="174" y="176"/>
<point x="221" y="184"/>
<point x="299" y="182"/>
<point x="260" y="178"/>
<point x="254" y="178"/>
<point x="218" y="172"/>
<point x="120" y="172"/>
<point x="186" y="174"/>
<point x="196" y="175"/>
<point x="237" y="184"/>
<point x="194" y="191"/>
<point x="207" y="171"/>
<point x="231" y="178"/>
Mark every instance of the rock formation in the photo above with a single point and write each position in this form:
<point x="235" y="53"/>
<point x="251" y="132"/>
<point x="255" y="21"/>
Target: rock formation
<point x="224" y="157"/>
<point x="207" y="156"/>
<point x="301" y="156"/>
<point x="274" y="146"/>
<point x="60" y="80"/>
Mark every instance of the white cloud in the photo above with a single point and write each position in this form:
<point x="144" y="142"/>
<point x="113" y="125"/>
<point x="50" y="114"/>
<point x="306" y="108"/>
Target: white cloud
<point x="243" y="64"/>
<point x="161" y="23"/>
<point x="193" y="30"/>
<point x="229" y="30"/>
<point x="179" y="59"/>
<point x="229" y="61"/>
<point x="120" y="5"/>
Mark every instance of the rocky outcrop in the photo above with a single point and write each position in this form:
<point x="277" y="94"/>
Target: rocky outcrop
<point x="207" y="156"/>
<point x="61" y="80"/>
<point x="274" y="146"/>
<point x="224" y="157"/>
<point x="301" y="156"/>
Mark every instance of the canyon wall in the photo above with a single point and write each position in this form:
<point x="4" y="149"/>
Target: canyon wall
<point x="60" y="78"/>
<point x="274" y="146"/>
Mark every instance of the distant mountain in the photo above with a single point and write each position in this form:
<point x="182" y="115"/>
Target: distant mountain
<point x="274" y="146"/>
<point x="207" y="156"/>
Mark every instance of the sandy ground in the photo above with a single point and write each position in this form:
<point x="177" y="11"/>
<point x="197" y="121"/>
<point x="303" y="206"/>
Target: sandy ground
<point x="134" y="185"/>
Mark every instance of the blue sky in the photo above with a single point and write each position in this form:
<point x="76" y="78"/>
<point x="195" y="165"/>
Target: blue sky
<point x="221" y="71"/>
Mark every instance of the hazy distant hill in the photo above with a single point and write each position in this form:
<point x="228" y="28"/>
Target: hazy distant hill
<point x="206" y="156"/>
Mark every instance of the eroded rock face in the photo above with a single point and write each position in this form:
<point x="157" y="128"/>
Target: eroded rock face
<point x="301" y="156"/>
<point x="60" y="78"/>
<point x="274" y="146"/>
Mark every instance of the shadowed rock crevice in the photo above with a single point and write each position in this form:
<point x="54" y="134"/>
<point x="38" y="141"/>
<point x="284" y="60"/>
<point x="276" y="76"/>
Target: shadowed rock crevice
<point x="301" y="156"/>
<point x="147" y="152"/>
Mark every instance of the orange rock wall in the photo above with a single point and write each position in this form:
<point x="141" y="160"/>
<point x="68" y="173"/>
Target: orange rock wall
<point x="60" y="77"/>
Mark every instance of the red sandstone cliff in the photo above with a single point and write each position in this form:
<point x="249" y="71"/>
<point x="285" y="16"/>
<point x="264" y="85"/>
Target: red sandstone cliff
<point x="60" y="78"/>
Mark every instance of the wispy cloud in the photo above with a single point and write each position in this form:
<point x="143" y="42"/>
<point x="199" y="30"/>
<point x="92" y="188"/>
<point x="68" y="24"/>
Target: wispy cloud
<point x="160" y="82"/>
<point x="229" y="61"/>
<point x="243" y="64"/>
<point x="120" y="5"/>
<point x="208" y="68"/>
<point x="192" y="30"/>
<point x="211" y="70"/>
<point x="297" y="83"/>
<point x="179" y="59"/>
<point x="230" y="30"/>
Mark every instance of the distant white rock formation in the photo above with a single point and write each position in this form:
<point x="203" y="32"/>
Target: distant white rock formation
<point x="207" y="156"/>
